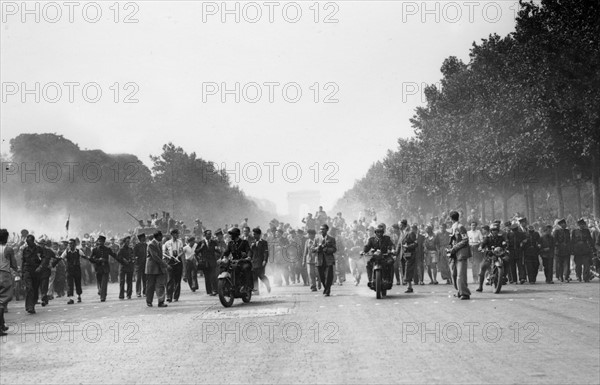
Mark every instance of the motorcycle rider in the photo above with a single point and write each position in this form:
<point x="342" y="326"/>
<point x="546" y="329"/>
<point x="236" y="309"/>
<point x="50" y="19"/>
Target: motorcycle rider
<point x="383" y="244"/>
<point x="239" y="249"/>
<point x="489" y="244"/>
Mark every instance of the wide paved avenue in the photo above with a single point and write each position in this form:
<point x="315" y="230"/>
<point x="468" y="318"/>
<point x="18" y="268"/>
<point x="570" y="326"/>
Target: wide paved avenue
<point x="527" y="334"/>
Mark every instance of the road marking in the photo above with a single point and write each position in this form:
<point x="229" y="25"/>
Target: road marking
<point x="377" y="304"/>
<point x="435" y="301"/>
<point x="358" y="304"/>
<point x="492" y="300"/>
<point x="49" y="310"/>
<point x="397" y="303"/>
<point x="340" y="305"/>
<point x="415" y="303"/>
<point x="321" y="306"/>
<point x="510" y="299"/>
<point x="533" y="299"/>
<point x="551" y="299"/>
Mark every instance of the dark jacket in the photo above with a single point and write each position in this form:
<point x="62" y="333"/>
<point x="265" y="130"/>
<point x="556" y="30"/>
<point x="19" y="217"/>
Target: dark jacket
<point x="100" y="258"/>
<point x="154" y="260"/>
<point x="326" y="250"/>
<point x="562" y="242"/>
<point x="259" y="252"/>
<point x="582" y="243"/>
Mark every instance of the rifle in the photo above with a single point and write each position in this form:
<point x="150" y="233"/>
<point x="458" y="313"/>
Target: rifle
<point x="131" y="215"/>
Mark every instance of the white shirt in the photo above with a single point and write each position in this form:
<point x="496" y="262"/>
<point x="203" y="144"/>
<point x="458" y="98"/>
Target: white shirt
<point x="189" y="251"/>
<point x="173" y="248"/>
<point x="475" y="237"/>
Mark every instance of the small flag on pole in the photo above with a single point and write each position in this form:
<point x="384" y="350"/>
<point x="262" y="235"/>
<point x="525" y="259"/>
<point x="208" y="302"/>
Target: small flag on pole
<point x="68" y="219"/>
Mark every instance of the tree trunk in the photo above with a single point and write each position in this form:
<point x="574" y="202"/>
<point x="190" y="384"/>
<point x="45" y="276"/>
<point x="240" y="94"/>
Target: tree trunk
<point x="492" y="208"/>
<point x="504" y="205"/>
<point x="527" y="205"/>
<point x="596" y="185"/>
<point x="578" y="188"/>
<point x="559" y="195"/>
<point x="482" y="209"/>
<point x="532" y="204"/>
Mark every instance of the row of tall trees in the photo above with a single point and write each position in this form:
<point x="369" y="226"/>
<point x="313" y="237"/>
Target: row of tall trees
<point x="520" y="119"/>
<point x="48" y="175"/>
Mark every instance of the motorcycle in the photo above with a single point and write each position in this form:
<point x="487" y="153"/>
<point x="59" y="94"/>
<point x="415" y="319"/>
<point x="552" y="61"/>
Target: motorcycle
<point x="497" y="278"/>
<point x="382" y="274"/>
<point x="229" y="284"/>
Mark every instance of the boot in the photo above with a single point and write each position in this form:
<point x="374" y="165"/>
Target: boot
<point x="480" y="288"/>
<point x="3" y="327"/>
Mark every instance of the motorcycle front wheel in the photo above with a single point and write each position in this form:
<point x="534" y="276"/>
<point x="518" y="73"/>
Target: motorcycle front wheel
<point x="247" y="297"/>
<point x="378" y="284"/>
<point x="497" y="279"/>
<point x="226" y="295"/>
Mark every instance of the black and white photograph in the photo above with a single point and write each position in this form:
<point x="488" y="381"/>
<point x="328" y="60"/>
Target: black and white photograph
<point x="300" y="192"/>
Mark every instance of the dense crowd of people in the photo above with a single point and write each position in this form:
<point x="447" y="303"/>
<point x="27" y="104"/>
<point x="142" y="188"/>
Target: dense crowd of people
<point x="161" y="253"/>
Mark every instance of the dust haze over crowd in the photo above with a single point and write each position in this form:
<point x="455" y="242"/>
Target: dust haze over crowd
<point x="47" y="180"/>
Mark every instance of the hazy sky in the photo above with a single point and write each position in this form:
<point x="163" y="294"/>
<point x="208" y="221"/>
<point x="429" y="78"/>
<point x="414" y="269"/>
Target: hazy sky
<point x="375" y="59"/>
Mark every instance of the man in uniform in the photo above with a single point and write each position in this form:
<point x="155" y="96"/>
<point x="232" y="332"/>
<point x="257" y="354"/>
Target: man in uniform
<point x="72" y="257"/>
<point x="383" y="244"/>
<point x="126" y="261"/>
<point x="100" y="258"/>
<point x="156" y="271"/>
<point x="582" y="245"/>
<point x="140" y="251"/>
<point x="325" y="248"/>
<point x="34" y="258"/>
<point x="239" y="249"/>
<point x="173" y="255"/>
<point x="488" y="244"/>
<point x="259" y="252"/>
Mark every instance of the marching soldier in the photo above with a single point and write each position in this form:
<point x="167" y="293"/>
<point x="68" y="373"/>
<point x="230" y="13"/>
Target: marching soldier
<point x="100" y="258"/>
<point x="531" y="250"/>
<point x="582" y="245"/>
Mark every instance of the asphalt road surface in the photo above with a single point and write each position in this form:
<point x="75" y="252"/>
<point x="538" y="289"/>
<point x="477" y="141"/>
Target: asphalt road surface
<point x="527" y="334"/>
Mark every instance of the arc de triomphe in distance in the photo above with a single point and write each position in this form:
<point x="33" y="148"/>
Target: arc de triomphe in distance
<point x="302" y="202"/>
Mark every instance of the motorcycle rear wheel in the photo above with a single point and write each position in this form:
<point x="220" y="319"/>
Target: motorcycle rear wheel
<point x="226" y="295"/>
